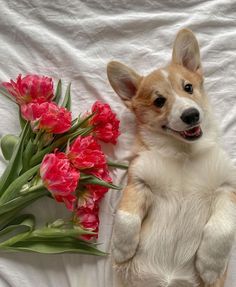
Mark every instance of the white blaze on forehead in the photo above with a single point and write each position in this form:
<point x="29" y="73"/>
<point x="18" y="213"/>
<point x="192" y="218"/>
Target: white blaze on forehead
<point x="179" y="106"/>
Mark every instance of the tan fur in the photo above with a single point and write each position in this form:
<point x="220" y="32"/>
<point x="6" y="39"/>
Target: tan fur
<point x="132" y="203"/>
<point x="176" y="220"/>
<point x="142" y="103"/>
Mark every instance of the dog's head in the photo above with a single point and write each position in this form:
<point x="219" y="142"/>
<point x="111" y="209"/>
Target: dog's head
<point x="170" y="100"/>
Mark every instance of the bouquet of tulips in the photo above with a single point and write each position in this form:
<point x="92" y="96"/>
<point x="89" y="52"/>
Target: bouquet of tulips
<point x="57" y="157"/>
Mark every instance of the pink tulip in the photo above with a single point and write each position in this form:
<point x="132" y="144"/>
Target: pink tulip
<point x="99" y="191"/>
<point x="47" y="116"/>
<point x="105" y="122"/>
<point x="60" y="178"/>
<point x="88" y="219"/>
<point x="30" y="89"/>
<point x="86" y="153"/>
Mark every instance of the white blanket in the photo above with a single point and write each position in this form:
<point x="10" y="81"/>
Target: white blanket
<point x="74" y="40"/>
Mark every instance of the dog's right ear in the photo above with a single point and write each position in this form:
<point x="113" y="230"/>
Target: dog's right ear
<point x="123" y="80"/>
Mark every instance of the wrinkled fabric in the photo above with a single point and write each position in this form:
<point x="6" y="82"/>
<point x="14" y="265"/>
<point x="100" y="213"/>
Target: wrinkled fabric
<point x="74" y="40"/>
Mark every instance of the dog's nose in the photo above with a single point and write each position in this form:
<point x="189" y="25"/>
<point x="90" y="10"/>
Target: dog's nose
<point x="190" y="116"/>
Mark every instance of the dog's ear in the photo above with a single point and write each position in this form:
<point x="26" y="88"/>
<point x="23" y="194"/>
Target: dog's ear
<point x="186" y="51"/>
<point x="123" y="80"/>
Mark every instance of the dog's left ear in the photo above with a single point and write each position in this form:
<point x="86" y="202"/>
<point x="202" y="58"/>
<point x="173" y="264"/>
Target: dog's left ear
<point x="186" y="51"/>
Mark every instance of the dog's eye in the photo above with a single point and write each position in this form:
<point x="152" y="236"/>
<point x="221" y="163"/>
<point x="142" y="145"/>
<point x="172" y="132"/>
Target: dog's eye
<point x="188" y="88"/>
<point x="159" y="102"/>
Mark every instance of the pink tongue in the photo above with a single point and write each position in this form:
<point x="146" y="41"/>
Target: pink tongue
<point x="192" y="131"/>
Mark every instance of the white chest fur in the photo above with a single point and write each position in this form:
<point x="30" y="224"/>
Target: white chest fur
<point x="183" y="191"/>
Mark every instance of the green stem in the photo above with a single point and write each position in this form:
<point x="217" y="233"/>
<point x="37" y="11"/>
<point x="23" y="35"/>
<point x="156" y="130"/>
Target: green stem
<point x="118" y="165"/>
<point x="38" y="136"/>
<point x="80" y="123"/>
<point x="36" y="187"/>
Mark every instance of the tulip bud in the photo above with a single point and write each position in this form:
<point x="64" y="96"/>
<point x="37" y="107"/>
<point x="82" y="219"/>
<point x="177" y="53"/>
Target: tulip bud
<point x="57" y="223"/>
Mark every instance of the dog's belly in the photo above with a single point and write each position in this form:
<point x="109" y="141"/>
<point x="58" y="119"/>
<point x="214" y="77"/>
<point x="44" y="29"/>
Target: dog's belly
<point x="171" y="233"/>
<point x="173" y="229"/>
<point x="170" y="237"/>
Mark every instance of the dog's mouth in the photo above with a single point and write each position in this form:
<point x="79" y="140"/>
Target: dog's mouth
<point x="190" y="134"/>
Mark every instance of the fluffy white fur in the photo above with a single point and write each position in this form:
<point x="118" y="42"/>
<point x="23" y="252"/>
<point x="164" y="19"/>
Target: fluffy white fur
<point x="191" y="214"/>
<point x="187" y="209"/>
<point x="180" y="104"/>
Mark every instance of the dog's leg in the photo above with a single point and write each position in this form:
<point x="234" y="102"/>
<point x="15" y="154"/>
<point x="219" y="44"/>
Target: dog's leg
<point x="218" y="237"/>
<point x="132" y="209"/>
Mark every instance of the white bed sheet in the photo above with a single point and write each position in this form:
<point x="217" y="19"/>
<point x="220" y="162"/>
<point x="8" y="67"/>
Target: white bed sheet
<point x="74" y="40"/>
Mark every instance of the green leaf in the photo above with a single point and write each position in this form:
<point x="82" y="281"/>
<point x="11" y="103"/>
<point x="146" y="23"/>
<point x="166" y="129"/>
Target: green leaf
<point x="17" y="230"/>
<point x="15" y="164"/>
<point x="45" y="240"/>
<point x="8" y="143"/>
<point x="58" y="92"/>
<point x="27" y="155"/>
<point x="23" y="122"/>
<point x="19" y="235"/>
<point x="23" y="223"/>
<point x="95" y="180"/>
<point x="22" y="201"/>
<point x="47" y="232"/>
<point x="80" y="123"/>
<point x="14" y="188"/>
<point x="67" y="99"/>
<point x="6" y="217"/>
<point x="55" y="247"/>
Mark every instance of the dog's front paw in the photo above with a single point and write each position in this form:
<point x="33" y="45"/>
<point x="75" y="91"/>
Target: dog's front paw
<point x="125" y="237"/>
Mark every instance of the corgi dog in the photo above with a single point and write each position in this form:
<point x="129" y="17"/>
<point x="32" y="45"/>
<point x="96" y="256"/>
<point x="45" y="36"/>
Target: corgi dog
<point x="175" y="224"/>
